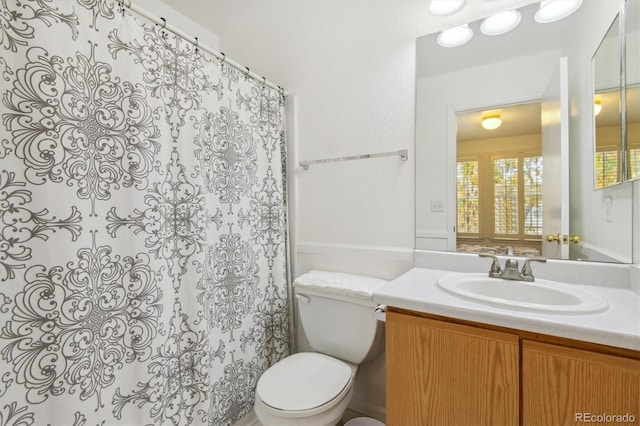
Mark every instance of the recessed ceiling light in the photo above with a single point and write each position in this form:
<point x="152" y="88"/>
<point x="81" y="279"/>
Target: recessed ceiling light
<point x="456" y="36"/>
<point x="500" y="23"/>
<point x="445" y="7"/>
<point x="554" y="10"/>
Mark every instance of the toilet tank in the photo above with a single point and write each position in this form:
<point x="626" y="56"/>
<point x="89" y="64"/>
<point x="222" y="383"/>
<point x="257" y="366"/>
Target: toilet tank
<point x="336" y="312"/>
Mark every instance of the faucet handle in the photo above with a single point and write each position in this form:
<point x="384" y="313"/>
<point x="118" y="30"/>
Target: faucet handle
<point x="495" y="270"/>
<point x="527" y="273"/>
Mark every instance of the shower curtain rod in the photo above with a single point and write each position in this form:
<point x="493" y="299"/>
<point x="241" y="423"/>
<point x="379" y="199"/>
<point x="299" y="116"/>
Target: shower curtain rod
<point x="246" y="71"/>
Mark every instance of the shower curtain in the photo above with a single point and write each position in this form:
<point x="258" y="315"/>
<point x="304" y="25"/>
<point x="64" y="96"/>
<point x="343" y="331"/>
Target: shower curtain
<point x="143" y="263"/>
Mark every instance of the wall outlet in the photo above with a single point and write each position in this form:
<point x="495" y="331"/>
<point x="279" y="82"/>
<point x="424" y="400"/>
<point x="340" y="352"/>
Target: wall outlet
<point x="437" y="206"/>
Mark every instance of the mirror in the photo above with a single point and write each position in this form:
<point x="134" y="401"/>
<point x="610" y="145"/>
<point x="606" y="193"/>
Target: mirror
<point x="632" y="60"/>
<point x="495" y="72"/>
<point x="607" y="74"/>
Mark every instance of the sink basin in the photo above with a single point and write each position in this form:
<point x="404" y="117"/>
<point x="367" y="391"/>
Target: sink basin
<point x="539" y="296"/>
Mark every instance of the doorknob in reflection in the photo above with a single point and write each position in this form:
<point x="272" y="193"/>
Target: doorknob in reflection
<point x="565" y="239"/>
<point x="554" y="238"/>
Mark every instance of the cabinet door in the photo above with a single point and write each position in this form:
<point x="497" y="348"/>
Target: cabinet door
<point x="565" y="386"/>
<point x="441" y="374"/>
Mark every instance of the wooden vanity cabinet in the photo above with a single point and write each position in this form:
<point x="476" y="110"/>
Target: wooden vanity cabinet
<point x="442" y="371"/>
<point x="567" y="386"/>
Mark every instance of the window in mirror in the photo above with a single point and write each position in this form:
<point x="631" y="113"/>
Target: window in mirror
<point x="506" y="179"/>
<point x="634" y="163"/>
<point x="607" y="167"/>
<point x="532" y="174"/>
<point x="467" y="199"/>
<point x="517" y="195"/>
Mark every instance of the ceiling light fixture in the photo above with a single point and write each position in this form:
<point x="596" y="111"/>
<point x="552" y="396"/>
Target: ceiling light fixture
<point x="445" y="7"/>
<point x="456" y="36"/>
<point x="491" y="122"/>
<point x="500" y="23"/>
<point x="597" y="107"/>
<point x="554" y="10"/>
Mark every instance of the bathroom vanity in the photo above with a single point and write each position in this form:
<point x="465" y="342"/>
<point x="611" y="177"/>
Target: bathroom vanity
<point x="454" y="360"/>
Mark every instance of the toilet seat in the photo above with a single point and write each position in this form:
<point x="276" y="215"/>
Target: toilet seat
<point x="304" y="381"/>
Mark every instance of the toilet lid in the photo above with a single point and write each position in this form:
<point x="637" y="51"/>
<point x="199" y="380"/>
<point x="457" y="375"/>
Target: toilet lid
<point x="303" y="381"/>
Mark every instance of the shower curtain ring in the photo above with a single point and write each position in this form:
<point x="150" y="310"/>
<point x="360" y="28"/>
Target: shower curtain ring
<point x="164" y="25"/>
<point x="264" y="81"/>
<point x="224" y="58"/>
<point x="123" y="5"/>
<point x="246" y="74"/>
<point x="196" y="39"/>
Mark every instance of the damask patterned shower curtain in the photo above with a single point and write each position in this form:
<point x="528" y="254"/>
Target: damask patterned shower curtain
<point x="143" y="264"/>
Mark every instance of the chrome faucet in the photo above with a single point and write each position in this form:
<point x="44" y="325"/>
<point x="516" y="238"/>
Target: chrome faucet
<point x="510" y="271"/>
<point x="509" y="251"/>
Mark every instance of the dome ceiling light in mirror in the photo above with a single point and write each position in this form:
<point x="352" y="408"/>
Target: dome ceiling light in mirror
<point x="554" y="10"/>
<point x="500" y="23"/>
<point x="491" y="122"/>
<point x="456" y="36"/>
<point x="445" y="7"/>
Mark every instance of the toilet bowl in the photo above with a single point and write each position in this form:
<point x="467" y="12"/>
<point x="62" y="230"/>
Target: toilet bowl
<point x="315" y="388"/>
<point x="306" y="388"/>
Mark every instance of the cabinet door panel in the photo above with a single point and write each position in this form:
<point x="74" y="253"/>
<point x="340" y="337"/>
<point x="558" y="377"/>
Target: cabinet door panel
<point x="565" y="386"/>
<point x="441" y="374"/>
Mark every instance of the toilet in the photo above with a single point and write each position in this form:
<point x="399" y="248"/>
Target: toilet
<point x="314" y="388"/>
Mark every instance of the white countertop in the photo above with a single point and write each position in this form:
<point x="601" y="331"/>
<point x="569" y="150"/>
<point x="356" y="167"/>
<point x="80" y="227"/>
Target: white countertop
<point x="617" y="326"/>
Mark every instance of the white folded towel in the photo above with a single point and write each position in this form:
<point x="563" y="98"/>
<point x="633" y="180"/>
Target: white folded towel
<point x="357" y="286"/>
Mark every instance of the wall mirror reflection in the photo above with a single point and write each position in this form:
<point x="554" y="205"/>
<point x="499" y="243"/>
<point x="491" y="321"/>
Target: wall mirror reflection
<point x="632" y="61"/>
<point x="607" y="109"/>
<point x="534" y="64"/>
